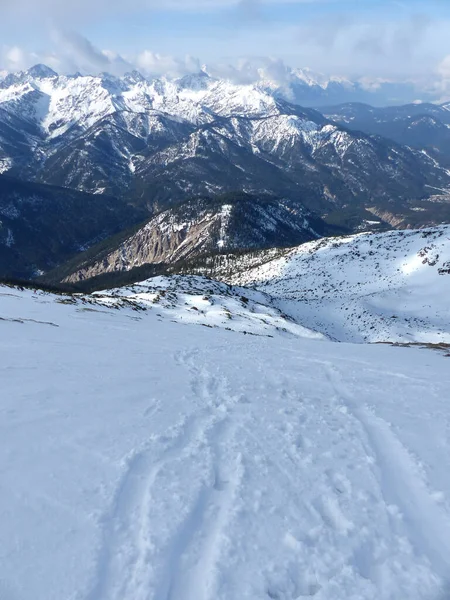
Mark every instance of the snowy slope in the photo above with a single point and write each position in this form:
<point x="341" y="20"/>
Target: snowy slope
<point x="202" y="301"/>
<point x="391" y="286"/>
<point x="145" y="460"/>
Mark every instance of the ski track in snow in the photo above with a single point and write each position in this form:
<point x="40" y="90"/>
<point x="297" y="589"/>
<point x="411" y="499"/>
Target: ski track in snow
<point x="125" y="562"/>
<point x="187" y="566"/>
<point x="401" y="483"/>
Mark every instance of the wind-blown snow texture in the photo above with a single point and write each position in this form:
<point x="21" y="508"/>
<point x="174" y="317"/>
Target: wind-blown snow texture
<point x="387" y="287"/>
<point x="143" y="459"/>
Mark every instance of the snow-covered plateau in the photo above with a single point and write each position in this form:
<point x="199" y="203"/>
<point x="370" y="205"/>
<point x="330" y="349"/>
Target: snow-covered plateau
<point x="183" y="439"/>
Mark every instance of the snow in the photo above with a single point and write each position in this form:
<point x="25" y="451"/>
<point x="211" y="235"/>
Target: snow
<point x="387" y="287"/>
<point x="9" y="238"/>
<point x="145" y="459"/>
<point x="199" y="300"/>
<point x="224" y="217"/>
<point x="57" y="103"/>
<point x="252" y="117"/>
<point x="14" y="92"/>
<point x="5" y="164"/>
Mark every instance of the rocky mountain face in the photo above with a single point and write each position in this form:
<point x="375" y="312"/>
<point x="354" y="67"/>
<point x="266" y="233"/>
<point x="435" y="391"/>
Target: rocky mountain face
<point x="196" y="228"/>
<point x="42" y="226"/>
<point x="159" y="142"/>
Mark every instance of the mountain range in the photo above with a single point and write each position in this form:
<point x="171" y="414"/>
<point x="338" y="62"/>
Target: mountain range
<point x="302" y="86"/>
<point x="423" y="126"/>
<point x="151" y="144"/>
<point x="159" y="141"/>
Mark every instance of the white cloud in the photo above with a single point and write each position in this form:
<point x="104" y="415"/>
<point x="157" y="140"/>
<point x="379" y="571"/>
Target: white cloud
<point x="444" y="68"/>
<point x="76" y="53"/>
<point x="72" y="53"/>
<point x="442" y="84"/>
<point x="16" y="59"/>
<point x="374" y="43"/>
<point x="153" y="63"/>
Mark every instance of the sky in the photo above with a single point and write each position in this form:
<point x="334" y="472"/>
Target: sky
<point x="384" y="39"/>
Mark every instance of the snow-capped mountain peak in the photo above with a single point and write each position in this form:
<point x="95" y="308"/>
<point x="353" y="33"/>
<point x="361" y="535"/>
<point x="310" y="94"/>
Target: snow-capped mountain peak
<point x="41" y="71"/>
<point x="314" y="79"/>
<point x="195" y="81"/>
<point x="36" y="72"/>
